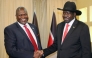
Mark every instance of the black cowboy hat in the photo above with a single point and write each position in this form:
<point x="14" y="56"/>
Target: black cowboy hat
<point x="70" y="6"/>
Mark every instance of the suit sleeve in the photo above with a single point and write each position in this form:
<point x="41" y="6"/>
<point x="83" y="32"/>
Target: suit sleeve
<point x="10" y="45"/>
<point x="85" y="42"/>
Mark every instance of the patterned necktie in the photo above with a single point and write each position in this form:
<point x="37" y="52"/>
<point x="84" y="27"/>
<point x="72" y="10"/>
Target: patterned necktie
<point x="31" y="38"/>
<point x="65" y="32"/>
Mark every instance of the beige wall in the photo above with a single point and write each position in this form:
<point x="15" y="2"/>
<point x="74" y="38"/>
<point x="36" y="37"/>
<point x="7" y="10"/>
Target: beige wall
<point x="83" y="3"/>
<point x="43" y="9"/>
<point x="88" y="4"/>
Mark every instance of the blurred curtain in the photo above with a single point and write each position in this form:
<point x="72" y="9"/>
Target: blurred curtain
<point x="44" y="10"/>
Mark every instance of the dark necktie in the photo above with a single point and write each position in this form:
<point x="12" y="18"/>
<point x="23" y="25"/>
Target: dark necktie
<point x="31" y="38"/>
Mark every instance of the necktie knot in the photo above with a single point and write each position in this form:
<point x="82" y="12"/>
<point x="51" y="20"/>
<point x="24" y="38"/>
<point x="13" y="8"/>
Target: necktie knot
<point x="25" y="26"/>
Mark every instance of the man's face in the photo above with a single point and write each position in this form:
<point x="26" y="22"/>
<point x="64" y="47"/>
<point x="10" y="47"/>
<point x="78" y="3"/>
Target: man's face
<point x="22" y="17"/>
<point x="68" y="16"/>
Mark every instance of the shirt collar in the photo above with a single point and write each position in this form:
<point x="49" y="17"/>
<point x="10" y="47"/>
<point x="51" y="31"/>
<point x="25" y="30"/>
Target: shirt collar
<point x="22" y="24"/>
<point x="71" y="22"/>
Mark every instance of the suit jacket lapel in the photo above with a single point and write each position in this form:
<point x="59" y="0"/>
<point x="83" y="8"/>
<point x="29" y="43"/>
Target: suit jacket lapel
<point x="36" y="35"/>
<point x="24" y="34"/>
<point x="71" y="30"/>
<point x="21" y="30"/>
<point x="60" y="33"/>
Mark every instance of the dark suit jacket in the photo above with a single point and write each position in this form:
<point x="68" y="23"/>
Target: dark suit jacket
<point x="76" y="44"/>
<point x="17" y="43"/>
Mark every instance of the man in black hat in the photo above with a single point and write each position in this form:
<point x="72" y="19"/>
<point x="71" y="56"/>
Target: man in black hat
<point x="72" y="38"/>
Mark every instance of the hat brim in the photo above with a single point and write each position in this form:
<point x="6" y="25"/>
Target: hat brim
<point x="78" y="12"/>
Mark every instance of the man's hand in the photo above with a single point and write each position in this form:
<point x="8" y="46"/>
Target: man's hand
<point x="38" y="53"/>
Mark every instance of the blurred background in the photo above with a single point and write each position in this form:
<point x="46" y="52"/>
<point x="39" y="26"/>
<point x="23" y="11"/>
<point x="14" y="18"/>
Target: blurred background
<point x="44" y="10"/>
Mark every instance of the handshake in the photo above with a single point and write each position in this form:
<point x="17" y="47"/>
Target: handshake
<point x="38" y="54"/>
